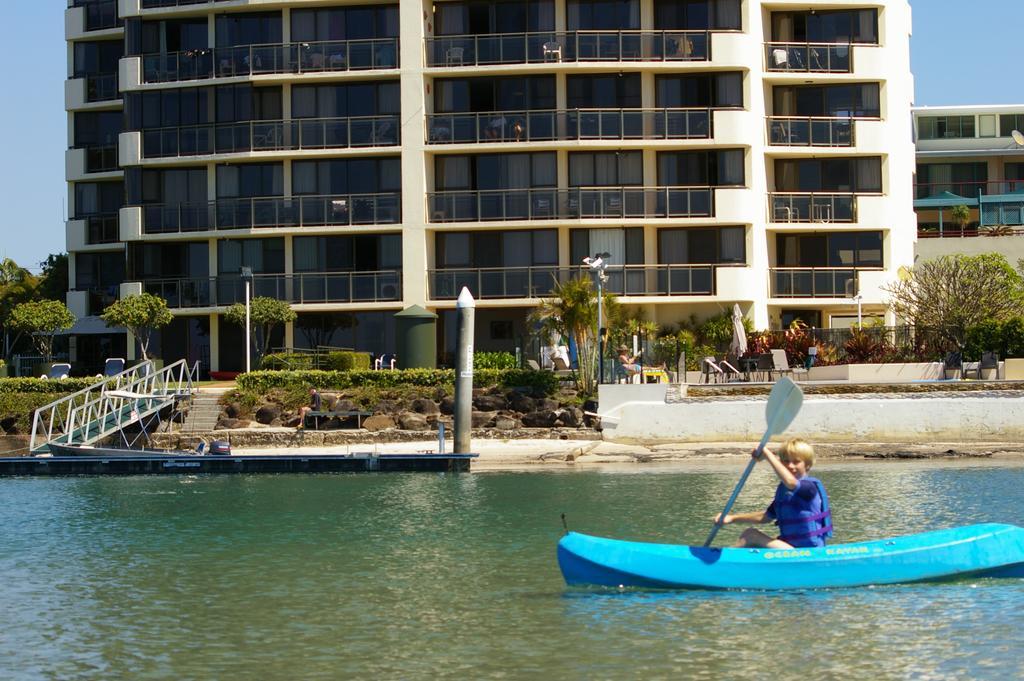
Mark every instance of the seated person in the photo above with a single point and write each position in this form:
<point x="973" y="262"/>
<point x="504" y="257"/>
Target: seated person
<point x="314" y="405"/>
<point x="628" y="362"/>
<point x="800" y="507"/>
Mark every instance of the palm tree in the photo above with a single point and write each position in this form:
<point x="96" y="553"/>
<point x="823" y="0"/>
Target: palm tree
<point x="572" y="313"/>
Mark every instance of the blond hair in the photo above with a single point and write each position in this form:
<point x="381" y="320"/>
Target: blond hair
<point x="798" y="449"/>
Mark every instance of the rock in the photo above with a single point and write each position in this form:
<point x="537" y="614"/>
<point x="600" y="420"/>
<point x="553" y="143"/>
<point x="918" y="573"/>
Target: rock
<point x="379" y="422"/>
<point x="224" y="424"/>
<point x="344" y="405"/>
<point x="422" y="405"/>
<point x="503" y="422"/>
<point x="8" y="423"/>
<point x="412" y="421"/>
<point x="267" y="413"/>
<point x="570" y="417"/>
<point x="540" y="419"/>
<point x="291" y="422"/>
<point x="490" y="403"/>
<point x="448" y="405"/>
<point x="481" y="419"/>
<point x="386" y="407"/>
<point x="448" y="421"/>
<point x="521" y="403"/>
<point x="547" y="404"/>
<point x="233" y="410"/>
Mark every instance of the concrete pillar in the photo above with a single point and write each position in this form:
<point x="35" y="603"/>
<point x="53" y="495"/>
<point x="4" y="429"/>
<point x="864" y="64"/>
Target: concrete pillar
<point x="214" y="342"/>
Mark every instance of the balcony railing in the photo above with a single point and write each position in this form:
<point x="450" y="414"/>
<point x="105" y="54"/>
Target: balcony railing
<point x="573" y="46"/>
<point x="539" y="282"/>
<point x="101" y="87"/>
<point x="101" y="229"/>
<point x="274" y="135"/>
<point x="813" y="282"/>
<point x="275" y="211"/>
<point x="568" y="124"/>
<point x="810" y="131"/>
<point x="809" y="57"/>
<point x="253" y="60"/>
<point x="812" y="207"/>
<point x="101" y="159"/>
<point x="99" y="14"/>
<point x="306" y="287"/>
<point x="967" y="190"/>
<point x="581" y="203"/>
<point x="150" y="4"/>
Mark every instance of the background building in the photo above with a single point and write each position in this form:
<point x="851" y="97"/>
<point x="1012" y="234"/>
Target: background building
<point x="362" y="158"/>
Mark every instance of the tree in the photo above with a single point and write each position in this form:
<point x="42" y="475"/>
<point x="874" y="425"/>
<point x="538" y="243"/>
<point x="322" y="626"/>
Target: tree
<point x="42" y="319"/>
<point x="17" y="286"/>
<point x="953" y="293"/>
<point x="53" y="284"/>
<point x="141" y="314"/>
<point x="960" y="215"/>
<point x="573" y="313"/>
<point x="264" y="313"/>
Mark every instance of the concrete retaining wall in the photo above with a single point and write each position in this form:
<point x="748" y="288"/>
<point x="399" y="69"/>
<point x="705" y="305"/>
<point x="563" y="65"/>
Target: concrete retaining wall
<point x="984" y="417"/>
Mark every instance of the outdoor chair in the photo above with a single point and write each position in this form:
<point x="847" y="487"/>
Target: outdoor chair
<point x="385" y="361"/>
<point x="989" y="363"/>
<point x="780" y="364"/>
<point x="58" y="370"/>
<point x="954" y="362"/>
<point x="532" y="364"/>
<point x="729" y="372"/>
<point x="113" y="366"/>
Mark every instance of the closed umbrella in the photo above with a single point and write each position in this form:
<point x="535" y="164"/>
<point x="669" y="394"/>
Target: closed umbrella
<point x="738" y="346"/>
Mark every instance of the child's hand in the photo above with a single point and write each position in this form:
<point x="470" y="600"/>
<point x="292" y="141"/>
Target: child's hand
<point x="724" y="521"/>
<point x="758" y="455"/>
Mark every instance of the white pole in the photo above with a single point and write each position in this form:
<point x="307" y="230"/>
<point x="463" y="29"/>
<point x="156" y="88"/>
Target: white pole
<point x="248" y="342"/>
<point x="859" y="323"/>
<point x="600" y="325"/>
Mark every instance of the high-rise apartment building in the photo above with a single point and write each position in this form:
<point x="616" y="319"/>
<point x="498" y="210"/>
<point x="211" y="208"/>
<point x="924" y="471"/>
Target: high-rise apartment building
<point x="364" y="157"/>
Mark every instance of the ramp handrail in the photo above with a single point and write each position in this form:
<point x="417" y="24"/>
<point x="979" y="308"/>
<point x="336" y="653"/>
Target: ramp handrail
<point x="93" y="405"/>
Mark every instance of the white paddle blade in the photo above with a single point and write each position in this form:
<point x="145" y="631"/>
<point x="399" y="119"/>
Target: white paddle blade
<point x="784" y="403"/>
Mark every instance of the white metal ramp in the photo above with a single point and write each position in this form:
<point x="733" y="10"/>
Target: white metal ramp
<point x="113" y="403"/>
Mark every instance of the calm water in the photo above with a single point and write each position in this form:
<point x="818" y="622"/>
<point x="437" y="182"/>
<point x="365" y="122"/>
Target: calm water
<point x="442" y="576"/>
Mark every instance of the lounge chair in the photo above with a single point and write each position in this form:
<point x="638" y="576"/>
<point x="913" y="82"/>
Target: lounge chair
<point x="780" y="364"/>
<point x="953" y="364"/>
<point x="113" y="366"/>
<point x="989" y="363"/>
<point x="58" y="370"/>
<point x="709" y="370"/>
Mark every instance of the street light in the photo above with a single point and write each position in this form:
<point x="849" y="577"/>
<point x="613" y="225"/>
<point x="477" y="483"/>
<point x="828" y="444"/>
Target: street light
<point x="247" y="278"/>
<point x="599" y="263"/>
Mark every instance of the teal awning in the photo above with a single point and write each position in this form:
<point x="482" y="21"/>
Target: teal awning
<point x="945" y="200"/>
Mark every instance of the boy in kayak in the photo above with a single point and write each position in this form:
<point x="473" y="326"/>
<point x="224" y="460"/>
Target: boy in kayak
<point x="800" y="507"/>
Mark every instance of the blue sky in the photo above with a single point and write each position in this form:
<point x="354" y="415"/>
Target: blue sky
<point x="960" y="54"/>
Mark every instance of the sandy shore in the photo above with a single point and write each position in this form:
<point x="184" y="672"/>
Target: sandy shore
<point x="498" y="454"/>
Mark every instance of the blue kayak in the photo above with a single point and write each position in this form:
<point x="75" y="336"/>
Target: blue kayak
<point x="991" y="550"/>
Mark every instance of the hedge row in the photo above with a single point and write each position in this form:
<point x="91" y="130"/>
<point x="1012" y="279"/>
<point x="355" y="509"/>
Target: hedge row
<point x="342" y="360"/>
<point x="263" y="381"/>
<point x="22" y="405"/>
<point x="57" y="387"/>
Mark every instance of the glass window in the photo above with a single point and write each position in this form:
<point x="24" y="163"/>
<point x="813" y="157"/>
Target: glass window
<point x="495" y="171"/>
<point x="683" y="15"/>
<point x="1010" y="122"/>
<point x="839" y="26"/>
<point x="939" y="127"/>
<point x="99" y="270"/>
<point x="605" y="91"/>
<point x="513" y="248"/>
<point x="719" y="90"/>
<point x="344" y="23"/>
<point x="247" y="29"/>
<point x="346" y="176"/>
<point x="606" y="169"/>
<point x="702" y="246"/>
<point x="169" y="185"/>
<point x="494" y="94"/>
<point x="485" y="16"/>
<point x="264" y="256"/>
<point x="829" y="175"/>
<point x="96" y="57"/>
<point x="249" y="180"/>
<point x="174" y="35"/>
<point x="701" y="168"/>
<point x="606" y="15"/>
<point x="97" y="128"/>
<point x="98" y="198"/>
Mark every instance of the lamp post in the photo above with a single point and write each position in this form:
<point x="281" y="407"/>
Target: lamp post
<point x="247" y="278"/>
<point x="858" y="298"/>
<point x="599" y="263"/>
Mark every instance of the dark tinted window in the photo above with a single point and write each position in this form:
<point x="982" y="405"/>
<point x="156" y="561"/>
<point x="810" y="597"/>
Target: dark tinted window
<point x="683" y="15"/>
<point x="720" y="90"/>
<point x="248" y="29"/>
<point x="701" y="168"/>
<point x="347" y="176"/>
<point x="344" y="23"/>
<point x="605" y="91"/>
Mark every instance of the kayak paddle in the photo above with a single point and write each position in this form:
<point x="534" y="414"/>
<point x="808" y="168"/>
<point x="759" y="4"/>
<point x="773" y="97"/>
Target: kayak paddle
<point x="783" y="404"/>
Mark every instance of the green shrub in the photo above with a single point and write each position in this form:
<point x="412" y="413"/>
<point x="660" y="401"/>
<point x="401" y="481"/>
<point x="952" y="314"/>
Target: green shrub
<point x="494" y="360"/>
<point x="1013" y="337"/>
<point x="263" y="382"/>
<point x="44" y="385"/>
<point x="22" y="405"/>
<point x="983" y="337"/>
<point x="285" y="361"/>
<point x="347" y="360"/>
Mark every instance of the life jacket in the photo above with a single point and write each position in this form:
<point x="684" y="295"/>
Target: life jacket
<point x="800" y="520"/>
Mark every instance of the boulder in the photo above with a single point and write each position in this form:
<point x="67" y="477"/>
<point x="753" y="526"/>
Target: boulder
<point x="291" y="422"/>
<point x="547" y="404"/>
<point x="379" y="422"/>
<point x="423" y="405"/>
<point x="412" y="421"/>
<point x="226" y="424"/>
<point x="267" y="413"/>
<point x="521" y="403"/>
<point x="540" y="419"/>
<point x="344" y="405"/>
<point x="505" y="422"/>
<point x="447" y="405"/>
<point x="481" y="419"/>
<point x="570" y="417"/>
<point x="233" y="410"/>
<point x="489" y="403"/>
<point x="448" y="421"/>
<point x="328" y="402"/>
<point x="386" y="407"/>
<point x="8" y="423"/>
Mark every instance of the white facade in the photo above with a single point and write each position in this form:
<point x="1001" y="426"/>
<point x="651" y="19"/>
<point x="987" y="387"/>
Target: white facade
<point x="831" y="200"/>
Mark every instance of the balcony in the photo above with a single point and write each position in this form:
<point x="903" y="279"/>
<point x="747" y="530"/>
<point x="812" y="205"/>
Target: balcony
<point x="813" y="282"/>
<point x="101" y="87"/>
<point x="812" y="207"/>
<point x="272" y="212"/>
<point x="255" y="60"/>
<point x="571" y="204"/>
<point x="304" y="288"/>
<point x="96" y="299"/>
<point x="574" y="46"/>
<point x="568" y="124"/>
<point x="272" y="135"/>
<point x="811" y="131"/>
<point x="538" y="282"/>
<point x="809" y="57"/>
<point x="101" y="229"/>
<point x="90" y="15"/>
<point x="88" y="163"/>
